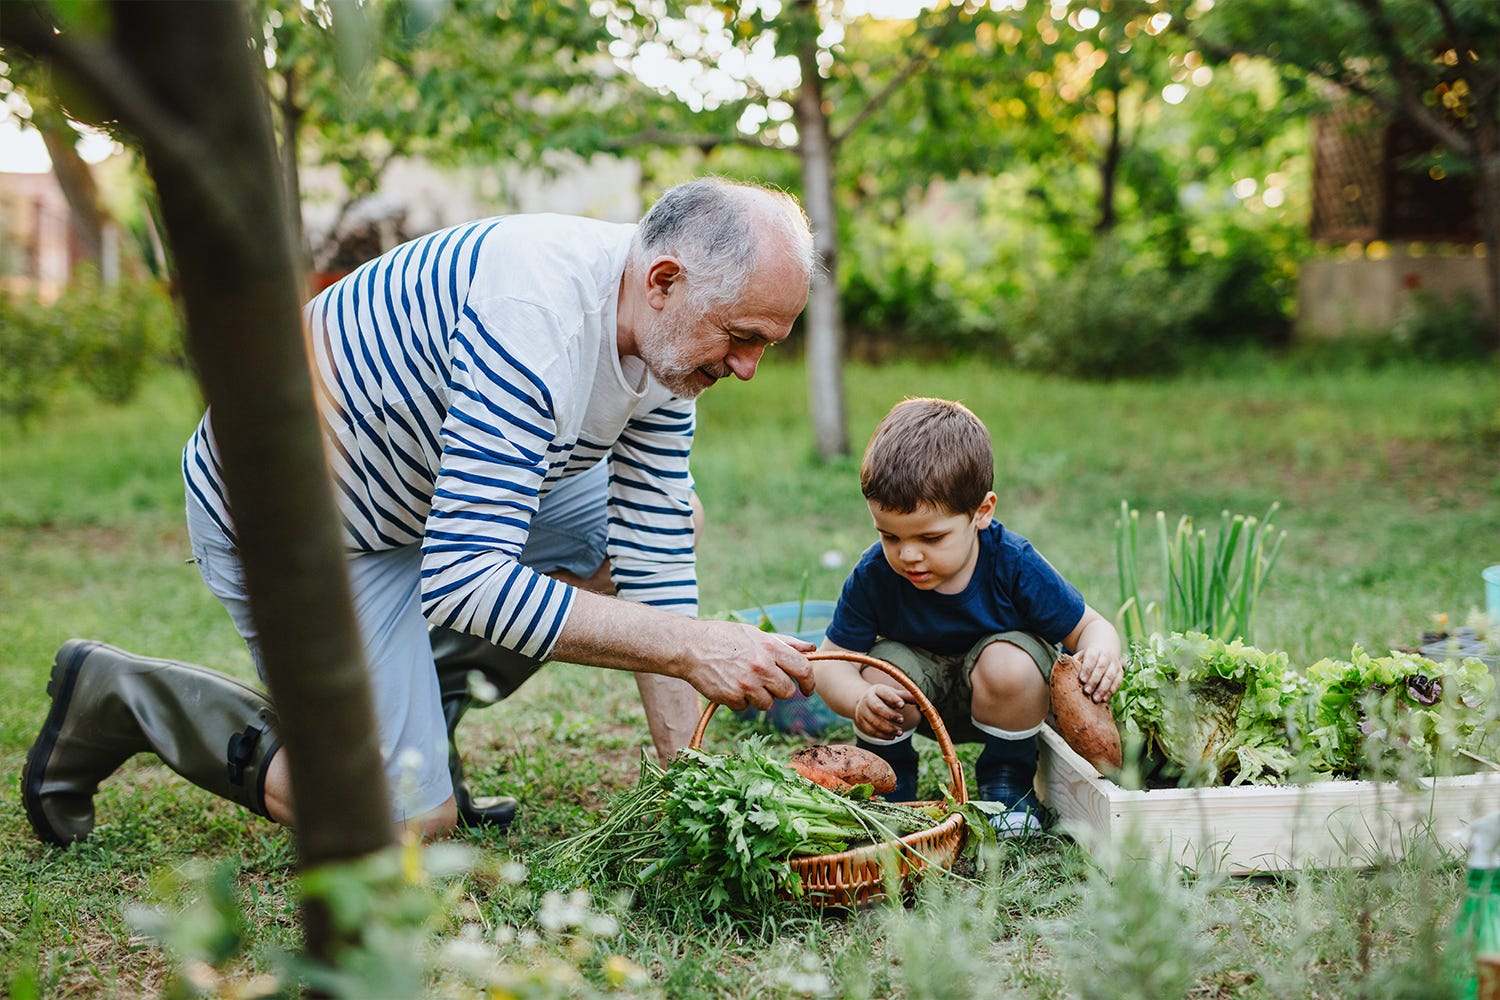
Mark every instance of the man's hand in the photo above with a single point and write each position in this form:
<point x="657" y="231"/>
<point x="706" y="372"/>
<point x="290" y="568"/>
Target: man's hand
<point x="734" y="664"/>
<point x="739" y="666"/>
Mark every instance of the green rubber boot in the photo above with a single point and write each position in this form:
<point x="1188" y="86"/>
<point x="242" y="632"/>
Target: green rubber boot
<point x="109" y="705"/>
<point x="457" y="655"/>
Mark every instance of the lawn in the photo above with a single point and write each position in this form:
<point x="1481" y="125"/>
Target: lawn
<point x="1389" y="488"/>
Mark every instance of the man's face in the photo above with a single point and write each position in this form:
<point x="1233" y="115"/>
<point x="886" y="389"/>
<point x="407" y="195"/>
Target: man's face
<point x="688" y="348"/>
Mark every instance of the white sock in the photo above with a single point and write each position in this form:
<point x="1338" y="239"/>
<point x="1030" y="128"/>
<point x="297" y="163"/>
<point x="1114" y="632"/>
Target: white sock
<point x="1005" y="734"/>
<point x="883" y="743"/>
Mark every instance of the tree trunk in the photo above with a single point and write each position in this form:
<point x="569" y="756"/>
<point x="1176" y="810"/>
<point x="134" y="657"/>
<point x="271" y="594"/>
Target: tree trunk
<point x="182" y="79"/>
<point x="1488" y="179"/>
<point x="1109" y="168"/>
<point x="78" y="187"/>
<point x="290" y="116"/>
<point x="825" y="325"/>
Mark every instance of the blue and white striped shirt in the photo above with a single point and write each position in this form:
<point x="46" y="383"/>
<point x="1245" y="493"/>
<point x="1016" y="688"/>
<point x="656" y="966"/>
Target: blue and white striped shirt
<point x="461" y="376"/>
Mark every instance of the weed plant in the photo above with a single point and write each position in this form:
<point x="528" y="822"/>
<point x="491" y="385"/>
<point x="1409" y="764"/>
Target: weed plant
<point x="1388" y="495"/>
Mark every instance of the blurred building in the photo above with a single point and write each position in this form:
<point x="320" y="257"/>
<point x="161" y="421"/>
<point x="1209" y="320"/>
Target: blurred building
<point x="38" y="245"/>
<point x="1396" y="225"/>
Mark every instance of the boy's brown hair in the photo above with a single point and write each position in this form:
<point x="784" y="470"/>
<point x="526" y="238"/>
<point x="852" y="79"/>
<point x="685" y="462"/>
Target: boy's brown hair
<point x="928" y="452"/>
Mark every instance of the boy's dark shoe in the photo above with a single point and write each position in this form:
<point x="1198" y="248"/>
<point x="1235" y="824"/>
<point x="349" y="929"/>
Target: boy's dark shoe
<point x="1004" y="774"/>
<point x="903" y="760"/>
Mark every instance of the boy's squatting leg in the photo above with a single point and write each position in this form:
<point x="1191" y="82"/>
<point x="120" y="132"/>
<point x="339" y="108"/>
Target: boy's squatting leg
<point x="1011" y="699"/>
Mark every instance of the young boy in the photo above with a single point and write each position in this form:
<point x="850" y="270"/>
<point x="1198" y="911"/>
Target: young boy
<point x="969" y="611"/>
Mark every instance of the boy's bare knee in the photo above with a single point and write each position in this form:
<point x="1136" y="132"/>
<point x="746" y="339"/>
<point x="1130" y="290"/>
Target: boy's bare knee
<point x="1006" y="667"/>
<point x="1008" y="686"/>
<point x="278" y="790"/>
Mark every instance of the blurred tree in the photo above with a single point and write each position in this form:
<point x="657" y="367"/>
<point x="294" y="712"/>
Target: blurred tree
<point x="1435" y="63"/>
<point x="781" y="78"/>
<point x="182" y="80"/>
<point x="360" y="84"/>
<point x="36" y="105"/>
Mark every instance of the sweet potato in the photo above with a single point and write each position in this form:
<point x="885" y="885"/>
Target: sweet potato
<point x="818" y="776"/>
<point x="1087" y="725"/>
<point x="851" y="764"/>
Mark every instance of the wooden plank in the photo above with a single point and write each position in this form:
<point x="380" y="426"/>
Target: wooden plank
<point x="1253" y="829"/>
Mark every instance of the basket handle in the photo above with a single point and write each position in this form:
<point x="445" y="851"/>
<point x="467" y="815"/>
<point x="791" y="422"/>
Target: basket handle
<point x="945" y="743"/>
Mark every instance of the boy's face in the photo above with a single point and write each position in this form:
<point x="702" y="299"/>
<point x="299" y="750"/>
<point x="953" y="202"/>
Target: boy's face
<point x="933" y="548"/>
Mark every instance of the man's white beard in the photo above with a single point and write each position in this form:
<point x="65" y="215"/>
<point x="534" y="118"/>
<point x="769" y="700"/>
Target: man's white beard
<point x="669" y="356"/>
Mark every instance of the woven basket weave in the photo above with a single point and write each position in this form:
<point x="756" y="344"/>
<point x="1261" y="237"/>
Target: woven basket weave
<point x="858" y="876"/>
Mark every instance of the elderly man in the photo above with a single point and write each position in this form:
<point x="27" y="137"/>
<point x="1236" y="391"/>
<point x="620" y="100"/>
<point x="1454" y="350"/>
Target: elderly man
<point x="498" y="398"/>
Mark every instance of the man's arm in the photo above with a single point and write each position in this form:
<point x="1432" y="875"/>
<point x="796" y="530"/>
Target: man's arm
<point x="734" y="664"/>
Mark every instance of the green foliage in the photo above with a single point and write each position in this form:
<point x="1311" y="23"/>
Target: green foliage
<point x="1444" y="330"/>
<point x="104" y="337"/>
<point x="1125" y="312"/>
<point x="1220" y="712"/>
<point x="401" y="915"/>
<point x="95" y="546"/>
<point x="911" y="302"/>
<point x="1216" y="711"/>
<point x="1111" y="316"/>
<point x="1208" y="587"/>
<point x="1148" y="934"/>
<point x="720" y="828"/>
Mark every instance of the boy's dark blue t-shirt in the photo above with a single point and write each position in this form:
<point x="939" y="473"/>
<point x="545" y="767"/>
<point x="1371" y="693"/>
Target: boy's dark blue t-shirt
<point x="1013" y="589"/>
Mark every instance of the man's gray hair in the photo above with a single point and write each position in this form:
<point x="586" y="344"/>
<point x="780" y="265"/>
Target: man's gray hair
<point x="718" y="229"/>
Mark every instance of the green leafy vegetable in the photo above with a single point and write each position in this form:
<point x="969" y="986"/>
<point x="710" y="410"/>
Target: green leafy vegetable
<point x="724" y="827"/>
<point x="1227" y="713"/>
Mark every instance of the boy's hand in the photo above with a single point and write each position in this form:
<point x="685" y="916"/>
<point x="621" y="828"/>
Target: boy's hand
<point x="1100" y="672"/>
<point x="878" y="712"/>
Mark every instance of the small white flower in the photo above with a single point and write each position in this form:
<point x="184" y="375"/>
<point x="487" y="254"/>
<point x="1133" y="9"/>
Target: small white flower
<point x="473" y="958"/>
<point x="481" y="690"/>
<point x="603" y="925"/>
<point x="832" y="559"/>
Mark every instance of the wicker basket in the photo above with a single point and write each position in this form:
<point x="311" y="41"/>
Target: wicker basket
<point x="858" y="876"/>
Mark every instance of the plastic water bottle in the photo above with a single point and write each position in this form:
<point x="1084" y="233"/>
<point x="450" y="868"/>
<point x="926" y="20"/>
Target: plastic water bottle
<point x="1476" y="931"/>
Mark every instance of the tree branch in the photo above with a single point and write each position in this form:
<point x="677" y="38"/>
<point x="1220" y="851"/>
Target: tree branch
<point x="1404" y="103"/>
<point x="918" y="60"/>
<point x="117" y="88"/>
<point x="703" y="142"/>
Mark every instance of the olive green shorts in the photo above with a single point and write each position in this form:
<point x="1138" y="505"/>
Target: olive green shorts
<point x="944" y="678"/>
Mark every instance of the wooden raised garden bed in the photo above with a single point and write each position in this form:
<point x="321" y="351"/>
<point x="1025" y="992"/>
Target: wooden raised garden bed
<point x="1252" y="829"/>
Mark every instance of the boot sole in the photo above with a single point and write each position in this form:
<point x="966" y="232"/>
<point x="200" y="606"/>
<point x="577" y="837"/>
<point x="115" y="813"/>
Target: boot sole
<point x="60" y="686"/>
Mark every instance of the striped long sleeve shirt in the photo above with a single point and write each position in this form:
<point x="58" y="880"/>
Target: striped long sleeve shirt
<point x="459" y="378"/>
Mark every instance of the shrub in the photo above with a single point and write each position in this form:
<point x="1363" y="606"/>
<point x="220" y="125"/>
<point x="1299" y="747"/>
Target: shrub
<point x="1248" y="293"/>
<point x="103" y="337"/>
<point x="1435" y="329"/>
<point x="1112" y="315"/>
<point x="1122" y="312"/>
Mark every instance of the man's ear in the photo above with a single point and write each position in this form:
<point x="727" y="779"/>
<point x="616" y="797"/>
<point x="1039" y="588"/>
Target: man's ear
<point x="986" y="512"/>
<point x="661" y="275"/>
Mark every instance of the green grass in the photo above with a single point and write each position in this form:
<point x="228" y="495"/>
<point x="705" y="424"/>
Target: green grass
<point x="1390" y="495"/>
